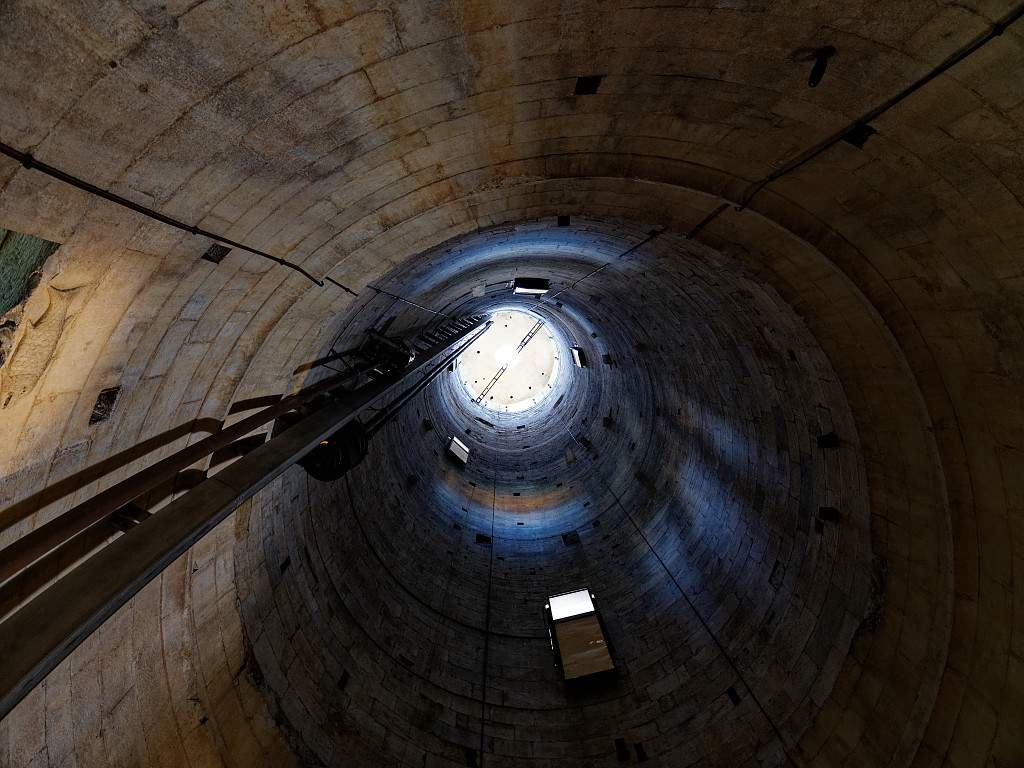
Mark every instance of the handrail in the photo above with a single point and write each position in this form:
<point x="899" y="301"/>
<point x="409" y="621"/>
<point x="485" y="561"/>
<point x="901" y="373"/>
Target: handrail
<point x="43" y="632"/>
<point x="35" y="544"/>
<point x="38" y="542"/>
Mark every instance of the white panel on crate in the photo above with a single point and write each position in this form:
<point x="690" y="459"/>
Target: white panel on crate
<point x="570" y="604"/>
<point x="459" y="450"/>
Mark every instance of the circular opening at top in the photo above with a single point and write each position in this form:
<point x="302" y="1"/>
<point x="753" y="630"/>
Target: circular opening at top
<point x="513" y="365"/>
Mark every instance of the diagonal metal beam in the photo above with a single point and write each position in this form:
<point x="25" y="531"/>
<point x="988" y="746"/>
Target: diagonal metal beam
<point x="43" y="632"/>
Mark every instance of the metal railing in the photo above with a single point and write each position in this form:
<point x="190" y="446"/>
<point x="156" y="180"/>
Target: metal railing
<point x="43" y="631"/>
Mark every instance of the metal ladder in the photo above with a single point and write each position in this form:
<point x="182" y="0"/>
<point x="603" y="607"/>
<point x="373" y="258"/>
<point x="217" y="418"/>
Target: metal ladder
<point x="37" y="636"/>
<point x="446" y="332"/>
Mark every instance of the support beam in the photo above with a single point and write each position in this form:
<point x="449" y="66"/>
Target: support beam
<point x="44" y="631"/>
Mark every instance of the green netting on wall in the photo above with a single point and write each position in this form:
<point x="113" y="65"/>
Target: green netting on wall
<point x="20" y="256"/>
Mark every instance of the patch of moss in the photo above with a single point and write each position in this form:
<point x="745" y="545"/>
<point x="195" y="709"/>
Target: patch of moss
<point x="21" y="259"/>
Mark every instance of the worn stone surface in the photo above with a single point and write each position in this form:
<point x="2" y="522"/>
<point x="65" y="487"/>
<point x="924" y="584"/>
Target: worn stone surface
<point x="351" y="137"/>
<point x="696" y="504"/>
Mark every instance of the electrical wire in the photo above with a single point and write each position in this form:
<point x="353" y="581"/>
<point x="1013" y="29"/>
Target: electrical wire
<point x="693" y="608"/>
<point x="650" y="236"/>
<point x="407" y="301"/>
<point x="31" y="163"/>
<point x="994" y="31"/>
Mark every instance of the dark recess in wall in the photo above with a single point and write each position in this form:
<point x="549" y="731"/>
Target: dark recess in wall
<point x="587" y="85"/>
<point x="829" y="514"/>
<point x="104" y="405"/>
<point x="216" y="253"/>
<point x="858" y="135"/>
<point x="828" y="440"/>
<point x="621" y="749"/>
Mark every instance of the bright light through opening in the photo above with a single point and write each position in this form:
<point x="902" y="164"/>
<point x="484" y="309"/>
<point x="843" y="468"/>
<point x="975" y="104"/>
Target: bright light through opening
<point x="506" y="354"/>
<point x="513" y="365"/>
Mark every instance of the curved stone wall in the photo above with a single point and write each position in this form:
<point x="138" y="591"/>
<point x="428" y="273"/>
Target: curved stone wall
<point x="352" y="139"/>
<point x="685" y="461"/>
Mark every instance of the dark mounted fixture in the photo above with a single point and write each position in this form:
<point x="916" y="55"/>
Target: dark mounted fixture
<point x="821" y="57"/>
<point x="336" y="454"/>
<point x="818" y="57"/>
<point x="829" y="514"/>
<point x="828" y="440"/>
<point x="859" y="134"/>
<point x="587" y="85"/>
<point x="216" y="253"/>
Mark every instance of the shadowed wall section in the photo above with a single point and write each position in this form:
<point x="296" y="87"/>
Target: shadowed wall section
<point x="695" y="504"/>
